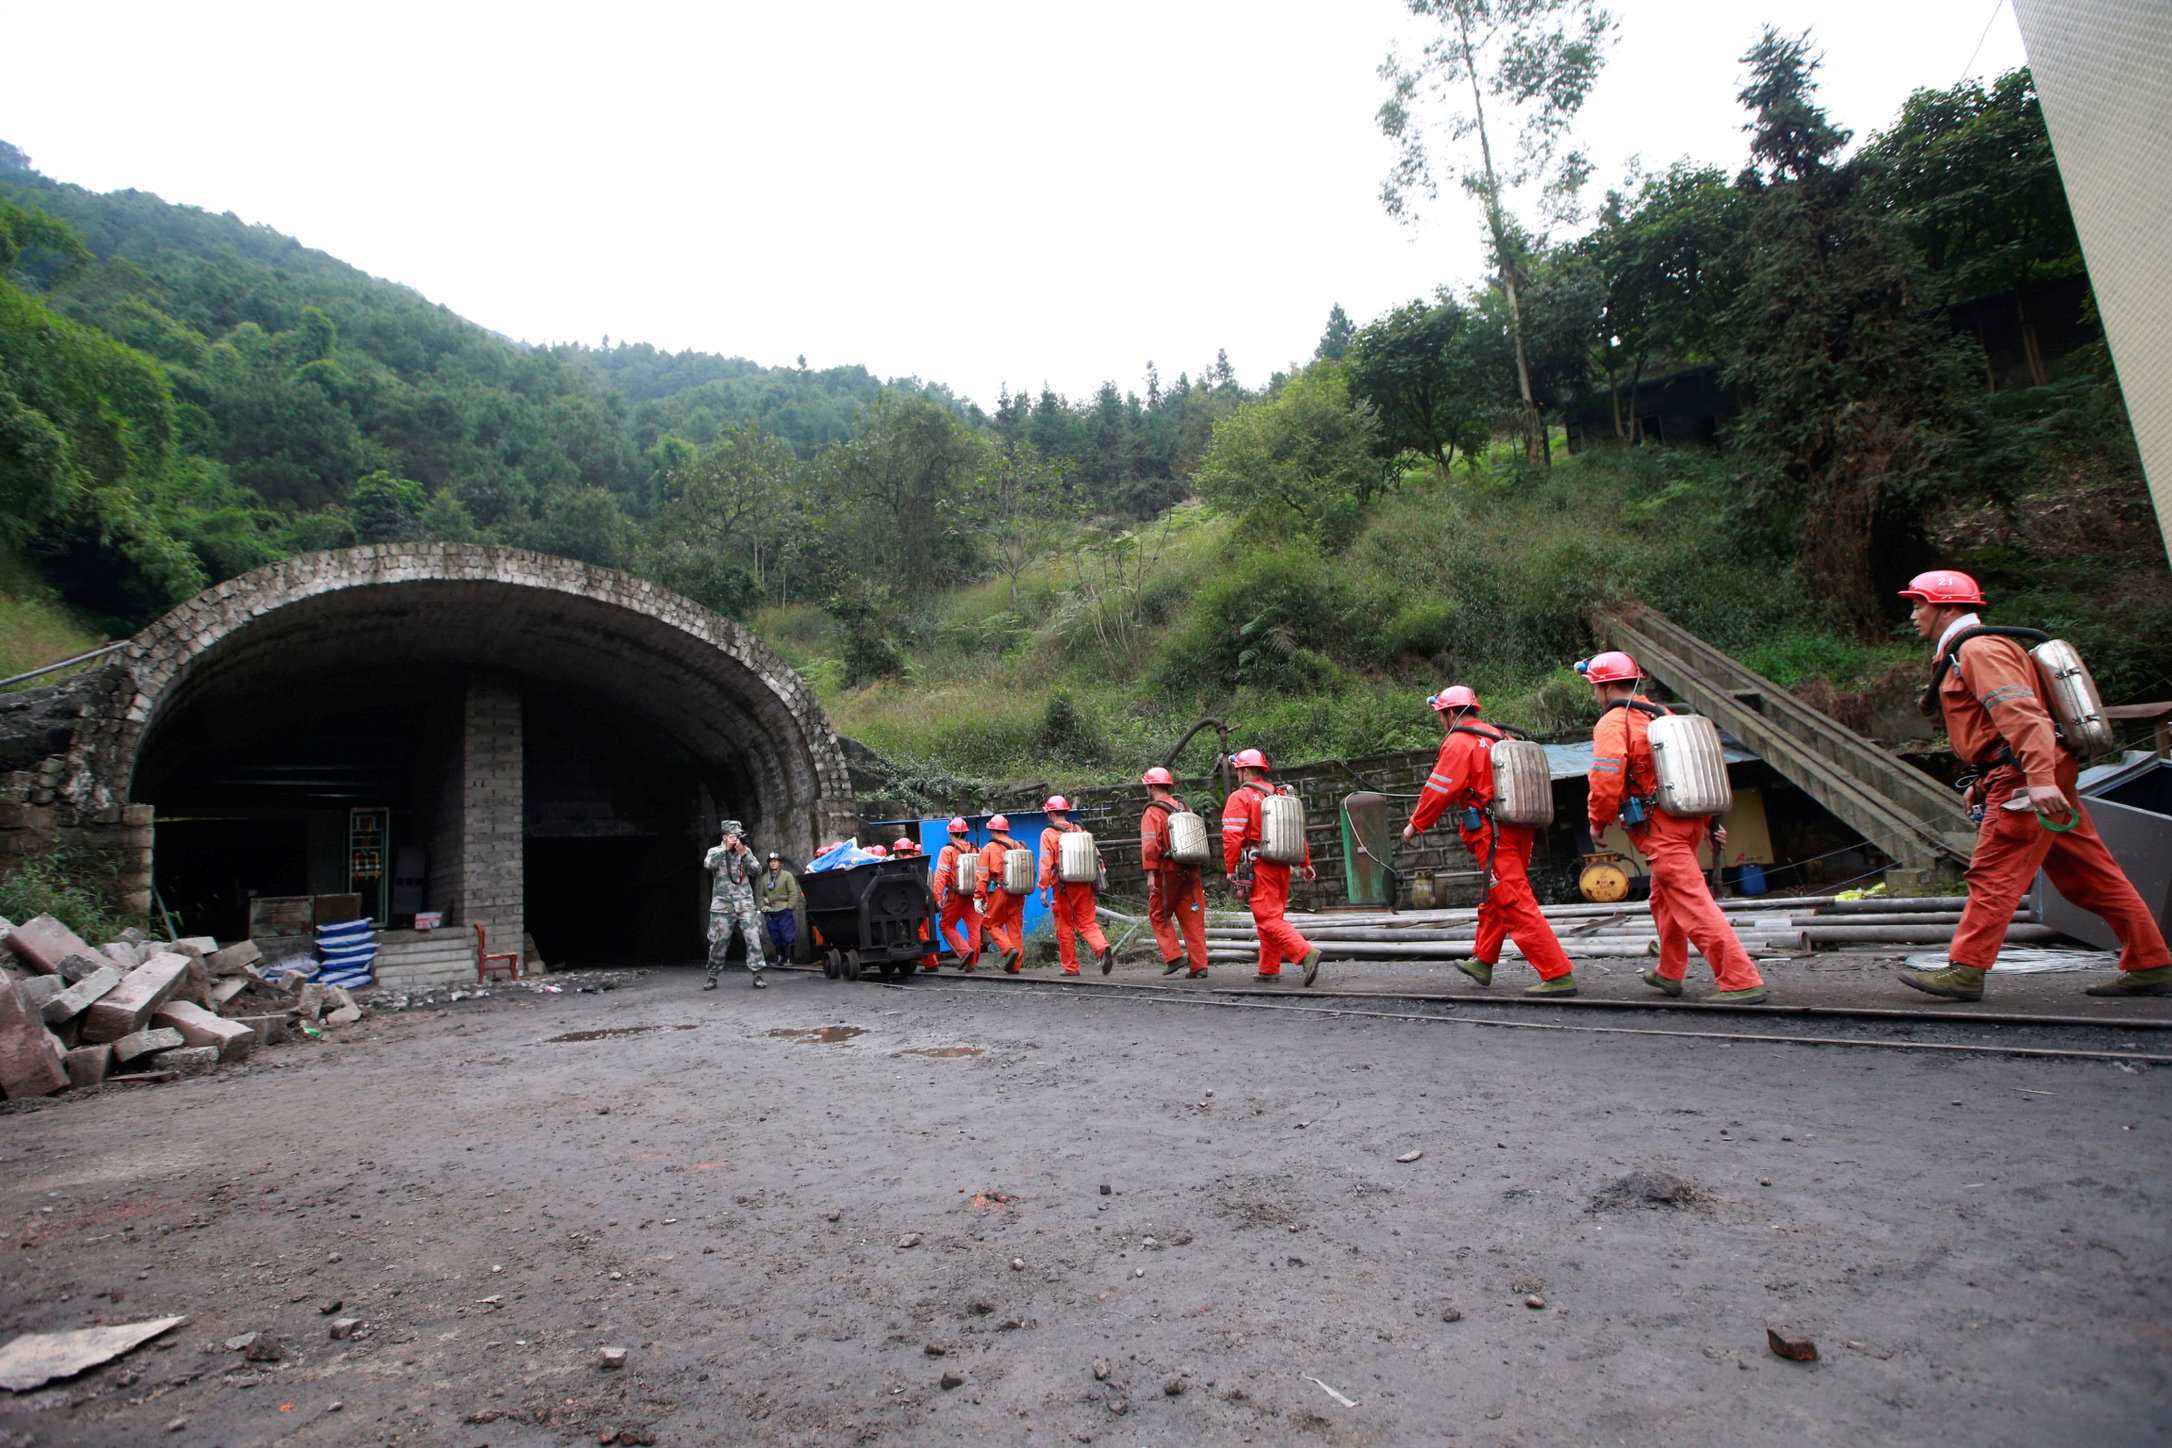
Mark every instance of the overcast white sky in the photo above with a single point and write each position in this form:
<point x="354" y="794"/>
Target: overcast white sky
<point x="974" y="192"/>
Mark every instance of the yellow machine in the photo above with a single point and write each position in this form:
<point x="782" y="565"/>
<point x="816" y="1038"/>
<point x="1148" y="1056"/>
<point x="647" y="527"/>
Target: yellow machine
<point x="1603" y="881"/>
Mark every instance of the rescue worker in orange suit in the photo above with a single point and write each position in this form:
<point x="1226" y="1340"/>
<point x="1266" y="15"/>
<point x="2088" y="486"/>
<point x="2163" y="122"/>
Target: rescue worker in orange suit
<point x="1071" y="904"/>
<point x="1623" y="782"/>
<point x="2000" y="721"/>
<point x="1176" y="901"/>
<point x="1269" y="894"/>
<point x="1462" y="780"/>
<point x="908" y="848"/>
<point x="1001" y="911"/>
<point x="956" y="905"/>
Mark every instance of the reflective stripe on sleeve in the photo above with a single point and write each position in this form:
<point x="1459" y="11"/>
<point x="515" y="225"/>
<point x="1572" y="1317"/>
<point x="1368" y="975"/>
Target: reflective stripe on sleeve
<point x="1610" y="766"/>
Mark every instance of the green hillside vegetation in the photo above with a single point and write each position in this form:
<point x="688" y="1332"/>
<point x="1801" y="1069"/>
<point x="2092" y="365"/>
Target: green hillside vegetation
<point x="1061" y="586"/>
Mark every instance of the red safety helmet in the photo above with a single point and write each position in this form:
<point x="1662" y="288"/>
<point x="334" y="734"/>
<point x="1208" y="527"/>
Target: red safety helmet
<point x="1943" y="586"/>
<point x="1250" y="759"/>
<point x="958" y="826"/>
<point x="906" y="845"/>
<point x="1057" y="801"/>
<point x="999" y="823"/>
<point x="878" y="852"/>
<point x="1611" y="667"/>
<point x="1456" y="696"/>
<point x="1157" y="775"/>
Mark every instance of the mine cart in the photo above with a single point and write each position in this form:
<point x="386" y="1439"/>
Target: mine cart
<point x="869" y="917"/>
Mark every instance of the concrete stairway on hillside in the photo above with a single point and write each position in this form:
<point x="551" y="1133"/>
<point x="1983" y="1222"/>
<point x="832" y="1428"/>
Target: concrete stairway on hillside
<point x="1906" y="813"/>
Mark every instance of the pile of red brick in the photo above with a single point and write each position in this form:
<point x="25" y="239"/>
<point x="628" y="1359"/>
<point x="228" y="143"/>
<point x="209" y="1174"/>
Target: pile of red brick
<point x="137" y="1009"/>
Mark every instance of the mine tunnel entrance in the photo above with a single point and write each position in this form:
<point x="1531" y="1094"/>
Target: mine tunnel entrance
<point x="381" y="770"/>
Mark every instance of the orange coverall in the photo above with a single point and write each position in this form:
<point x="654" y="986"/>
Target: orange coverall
<point x="1463" y="778"/>
<point x="957" y="907"/>
<point x="1071" y="905"/>
<point x="1993" y="696"/>
<point x="1278" y="939"/>
<point x="1000" y="917"/>
<point x="1682" y="905"/>
<point x="1176" y="901"/>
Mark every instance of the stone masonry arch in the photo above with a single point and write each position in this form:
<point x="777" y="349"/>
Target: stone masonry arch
<point x="506" y="635"/>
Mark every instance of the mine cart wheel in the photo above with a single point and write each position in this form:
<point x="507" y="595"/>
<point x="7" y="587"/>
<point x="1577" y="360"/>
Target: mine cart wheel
<point x="852" y="965"/>
<point x="830" y="965"/>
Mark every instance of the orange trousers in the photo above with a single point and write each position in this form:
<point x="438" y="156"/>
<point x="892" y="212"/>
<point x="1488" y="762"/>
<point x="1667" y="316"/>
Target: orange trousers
<point x="959" y="915"/>
<point x="1278" y="939"/>
<point x="1000" y="921"/>
<point x="1682" y="903"/>
<point x="2011" y="846"/>
<point x="1072" y="907"/>
<point x="1510" y="910"/>
<point x="1176" y="904"/>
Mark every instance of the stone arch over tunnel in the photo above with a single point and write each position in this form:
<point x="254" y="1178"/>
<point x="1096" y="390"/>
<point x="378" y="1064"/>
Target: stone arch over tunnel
<point x="547" y="735"/>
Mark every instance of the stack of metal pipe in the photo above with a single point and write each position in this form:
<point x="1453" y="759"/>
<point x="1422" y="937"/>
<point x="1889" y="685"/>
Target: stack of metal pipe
<point x="1767" y="926"/>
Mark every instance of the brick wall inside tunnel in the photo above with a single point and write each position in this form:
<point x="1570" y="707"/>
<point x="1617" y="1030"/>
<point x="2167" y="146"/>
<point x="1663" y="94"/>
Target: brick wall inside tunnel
<point x="492" y="817"/>
<point x="543" y="626"/>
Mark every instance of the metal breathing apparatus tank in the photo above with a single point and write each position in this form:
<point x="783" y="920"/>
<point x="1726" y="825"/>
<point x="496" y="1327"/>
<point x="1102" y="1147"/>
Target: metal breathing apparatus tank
<point x="1077" y="862"/>
<point x="1689" y="766"/>
<point x="1187" y="843"/>
<point x="1282" y="829"/>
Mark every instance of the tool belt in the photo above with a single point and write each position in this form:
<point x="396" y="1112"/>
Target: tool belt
<point x="1242" y="876"/>
<point x="1970" y="784"/>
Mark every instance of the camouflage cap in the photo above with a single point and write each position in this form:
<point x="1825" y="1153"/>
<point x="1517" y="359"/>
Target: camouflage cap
<point x="733" y="827"/>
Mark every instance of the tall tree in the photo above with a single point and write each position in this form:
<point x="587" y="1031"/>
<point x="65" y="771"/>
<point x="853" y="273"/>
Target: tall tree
<point x="1667" y="259"/>
<point x="1536" y="60"/>
<point x="1305" y="458"/>
<point x="1335" y="341"/>
<point x="1970" y="174"/>
<point x="1418" y="368"/>
<point x="1850" y="391"/>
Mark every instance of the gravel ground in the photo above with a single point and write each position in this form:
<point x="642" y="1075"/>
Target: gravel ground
<point x="1098" y="1218"/>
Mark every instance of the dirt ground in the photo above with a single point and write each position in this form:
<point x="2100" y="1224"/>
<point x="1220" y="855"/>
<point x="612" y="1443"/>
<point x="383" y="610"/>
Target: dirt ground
<point x="1100" y="1218"/>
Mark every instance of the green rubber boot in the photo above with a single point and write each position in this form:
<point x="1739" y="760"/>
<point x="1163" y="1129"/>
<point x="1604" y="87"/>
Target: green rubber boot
<point x="1955" y="982"/>
<point x="1750" y="996"/>
<point x="1561" y="985"/>
<point x="1660" y="983"/>
<point x="1478" y="970"/>
<point x="2137" y="983"/>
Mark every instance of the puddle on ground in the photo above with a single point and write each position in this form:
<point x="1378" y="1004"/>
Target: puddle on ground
<point x="945" y="1053"/>
<point x="821" y="1035"/>
<point x="613" y="1031"/>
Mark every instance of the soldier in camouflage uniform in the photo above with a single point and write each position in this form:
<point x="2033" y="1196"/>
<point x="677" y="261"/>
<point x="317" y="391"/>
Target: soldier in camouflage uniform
<point x="732" y="904"/>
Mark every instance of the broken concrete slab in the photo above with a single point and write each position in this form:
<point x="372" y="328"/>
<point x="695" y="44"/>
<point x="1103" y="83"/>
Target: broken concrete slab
<point x="231" y="960"/>
<point x="195" y="945"/>
<point x="72" y="1001"/>
<point x="36" y="991"/>
<point x="123" y="1010"/>
<point x="30" y="1059"/>
<point x="199" y="1027"/>
<point x="270" y="1030"/>
<point x="37" y="1358"/>
<point x="144" y="1042"/>
<point x="127" y="954"/>
<point x="188" y="1060"/>
<point x="225" y="990"/>
<point x="344" y="1016"/>
<point x="87" y="1065"/>
<point x="43" y="942"/>
<point x="77" y="967"/>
